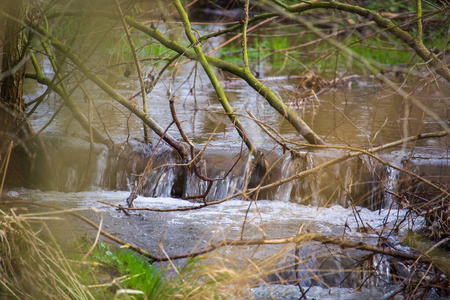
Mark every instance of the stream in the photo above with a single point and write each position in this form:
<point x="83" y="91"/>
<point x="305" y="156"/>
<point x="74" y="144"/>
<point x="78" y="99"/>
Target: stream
<point x="347" y="199"/>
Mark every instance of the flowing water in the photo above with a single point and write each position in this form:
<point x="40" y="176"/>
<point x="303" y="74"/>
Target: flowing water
<point x="348" y="198"/>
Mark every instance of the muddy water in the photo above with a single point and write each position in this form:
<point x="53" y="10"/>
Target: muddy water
<point x="366" y="114"/>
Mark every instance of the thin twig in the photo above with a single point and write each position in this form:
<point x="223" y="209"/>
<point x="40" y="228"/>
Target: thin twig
<point x="138" y="68"/>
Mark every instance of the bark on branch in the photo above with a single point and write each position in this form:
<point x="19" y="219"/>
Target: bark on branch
<point x="214" y="81"/>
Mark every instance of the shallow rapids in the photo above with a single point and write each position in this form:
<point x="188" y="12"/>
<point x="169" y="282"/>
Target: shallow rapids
<point x="172" y="233"/>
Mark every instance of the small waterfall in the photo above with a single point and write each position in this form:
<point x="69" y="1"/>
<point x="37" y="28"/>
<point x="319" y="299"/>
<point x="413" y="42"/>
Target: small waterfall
<point x="391" y="183"/>
<point x="364" y="189"/>
<point x="358" y="181"/>
<point x="71" y="181"/>
<point x="151" y="173"/>
<point x="382" y="267"/>
<point x="284" y="191"/>
<point x="75" y="165"/>
<point x="217" y="167"/>
<point x="99" y="168"/>
<point x="304" y="190"/>
<point x="160" y="173"/>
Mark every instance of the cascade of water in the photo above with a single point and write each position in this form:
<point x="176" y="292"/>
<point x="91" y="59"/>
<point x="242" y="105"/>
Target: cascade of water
<point x="71" y="182"/>
<point x="380" y="180"/>
<point x="214" y="169"/>
<point x="390" y="184"/>
<point x="382" y="268"/>
<point x="151" y="173"/>
<point x="319" y="188"/>
<point x="349" y="183"/>
<point x="75" y="165"/>
<point x="284" y="191"/>
<point x="159" y="183"/>
<point x="364" y="183"/>
<point x="357" y="181"/>
<point x="100" y="166"/>
<point x="157" y="173"/>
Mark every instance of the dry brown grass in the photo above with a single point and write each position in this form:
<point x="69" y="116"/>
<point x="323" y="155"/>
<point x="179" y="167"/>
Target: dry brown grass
<point x="31" y="267"/>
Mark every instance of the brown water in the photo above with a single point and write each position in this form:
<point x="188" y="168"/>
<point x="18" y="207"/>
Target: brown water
<point x="364" y="115"/>
<point x="367" y="114"/>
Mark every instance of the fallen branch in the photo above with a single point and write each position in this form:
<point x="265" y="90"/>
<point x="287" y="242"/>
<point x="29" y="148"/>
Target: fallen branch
<point x="194" y="207"/>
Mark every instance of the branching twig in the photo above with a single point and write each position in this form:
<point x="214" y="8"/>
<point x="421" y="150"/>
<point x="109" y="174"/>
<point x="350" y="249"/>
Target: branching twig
<point x="195" y="157"/>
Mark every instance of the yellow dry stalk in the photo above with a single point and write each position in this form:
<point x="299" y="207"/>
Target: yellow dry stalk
<point x="31" y="267"/>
